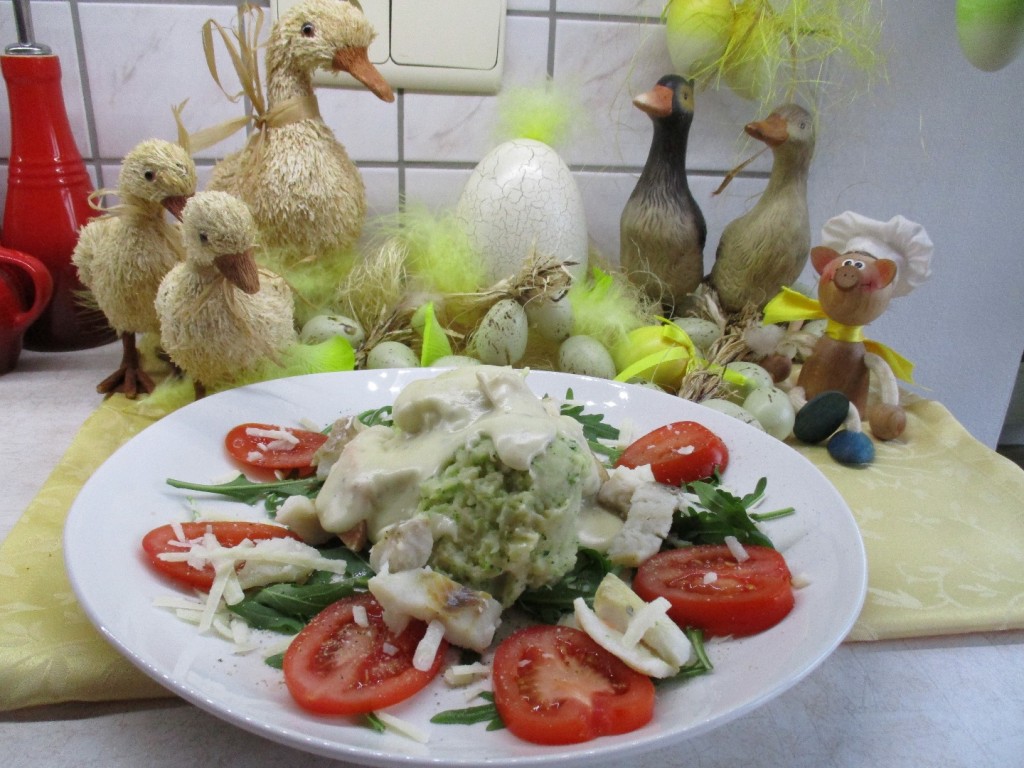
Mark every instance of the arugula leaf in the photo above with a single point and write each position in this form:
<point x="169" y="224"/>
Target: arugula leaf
<point x="373" y="721"/>
<point x="547" y="604"/>
<point x="718" y="513"/>
<point x="288" y="607"/>
<point x="376" y="416"/>
<point x="482" y="713"/>
<point x="594" y="428"/>
<point x="259" y="616"/>
<point x="701" y="665"/>
<point x="276" y="661"/>
<point x="246" y="491"/>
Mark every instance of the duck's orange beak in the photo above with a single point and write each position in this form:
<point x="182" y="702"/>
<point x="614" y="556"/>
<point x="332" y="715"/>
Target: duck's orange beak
<point x="657" y="102"/>
<point x="240" y="270"/>
<point x="772" y="130"/>
<point x="175" y="205"/>
<point x="357" y="63"/>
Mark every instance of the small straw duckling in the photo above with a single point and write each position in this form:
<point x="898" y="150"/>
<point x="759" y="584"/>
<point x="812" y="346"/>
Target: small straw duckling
<point x="122" y="256"/>
<point x="221" y="316"/>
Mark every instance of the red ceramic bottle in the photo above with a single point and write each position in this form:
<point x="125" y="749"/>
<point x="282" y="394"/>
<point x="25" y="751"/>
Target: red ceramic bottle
<point x="48" y="192"/>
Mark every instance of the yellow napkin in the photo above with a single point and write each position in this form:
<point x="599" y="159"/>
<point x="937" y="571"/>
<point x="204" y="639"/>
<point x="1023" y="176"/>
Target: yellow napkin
<point x="49" y="651"/>
<point x="942" y="518"/>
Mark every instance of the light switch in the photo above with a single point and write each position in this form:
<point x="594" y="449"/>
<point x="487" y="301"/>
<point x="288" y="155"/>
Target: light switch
<point x="430" y="45"/>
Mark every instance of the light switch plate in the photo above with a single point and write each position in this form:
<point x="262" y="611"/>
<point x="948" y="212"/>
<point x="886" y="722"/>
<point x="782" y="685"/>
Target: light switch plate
<point x="455" y="46"/>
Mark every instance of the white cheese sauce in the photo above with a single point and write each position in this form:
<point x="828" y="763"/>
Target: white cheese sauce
<point x="377" y="477"/>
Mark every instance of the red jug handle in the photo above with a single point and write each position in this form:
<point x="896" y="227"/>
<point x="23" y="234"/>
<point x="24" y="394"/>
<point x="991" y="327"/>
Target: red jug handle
<point x="42" y="282"/>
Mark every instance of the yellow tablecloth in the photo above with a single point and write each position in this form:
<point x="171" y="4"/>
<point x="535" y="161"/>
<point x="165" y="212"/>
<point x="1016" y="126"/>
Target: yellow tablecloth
<point x="941" y="514"/>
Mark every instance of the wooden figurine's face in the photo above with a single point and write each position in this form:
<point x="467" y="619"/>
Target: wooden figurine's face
<point x="855" y="287"/>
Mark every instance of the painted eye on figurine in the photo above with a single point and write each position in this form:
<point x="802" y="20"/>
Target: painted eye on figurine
<point x="853" y="263"/>
<point x="308" y="30"/>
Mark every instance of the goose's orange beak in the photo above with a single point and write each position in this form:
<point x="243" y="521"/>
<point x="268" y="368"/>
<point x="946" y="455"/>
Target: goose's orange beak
<point x="657" y="102"/>
<point x="772" y="130"/>
<point x="240" y="270"/>
<point x="356" y="62"/>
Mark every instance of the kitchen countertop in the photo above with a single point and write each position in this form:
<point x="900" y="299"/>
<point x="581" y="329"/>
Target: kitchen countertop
<point x="945" y="701"/>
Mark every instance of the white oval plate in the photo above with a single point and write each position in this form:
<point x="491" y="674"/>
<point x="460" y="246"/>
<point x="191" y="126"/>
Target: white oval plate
<point x="128" y="496"/>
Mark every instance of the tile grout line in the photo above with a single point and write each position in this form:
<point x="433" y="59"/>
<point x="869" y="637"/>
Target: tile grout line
<point x="90" y="112"/>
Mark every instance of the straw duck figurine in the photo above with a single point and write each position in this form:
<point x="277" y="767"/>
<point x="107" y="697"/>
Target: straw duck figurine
<point x="767" y="247"/>
<point x="305" y="194"/>
<point x="662" y="230"/>
<point x="122" y="256"/>
<point x="221" y="316"/>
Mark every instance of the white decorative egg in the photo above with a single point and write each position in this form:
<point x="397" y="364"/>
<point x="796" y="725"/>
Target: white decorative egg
<point x="522" y="197"/>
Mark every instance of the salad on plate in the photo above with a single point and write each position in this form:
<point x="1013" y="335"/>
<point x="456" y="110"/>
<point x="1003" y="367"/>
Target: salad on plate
<point x="277" y="556"/>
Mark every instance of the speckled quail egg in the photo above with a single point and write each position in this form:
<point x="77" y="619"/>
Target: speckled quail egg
<point x="586" y="356"/>
<point x="703" y="333"/>
<point x="392" y="354"/>
<point x="773" y="409"/>
<point x="550" y="317"/>
<point x="501" y="337"/>
<point x="320" y="328"/>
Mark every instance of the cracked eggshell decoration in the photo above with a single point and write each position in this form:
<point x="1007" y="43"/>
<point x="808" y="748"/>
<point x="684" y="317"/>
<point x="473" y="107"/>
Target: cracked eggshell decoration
<point x="521" y="196"/>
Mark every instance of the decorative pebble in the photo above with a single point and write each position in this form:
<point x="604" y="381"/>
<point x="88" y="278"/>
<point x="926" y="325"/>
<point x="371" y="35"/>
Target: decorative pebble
<point x="848" y="447"/>
<point x="821" y="416"/>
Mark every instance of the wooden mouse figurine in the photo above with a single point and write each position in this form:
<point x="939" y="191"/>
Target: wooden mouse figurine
<point x="854" y="289"/>
<point x="862" y="265"/>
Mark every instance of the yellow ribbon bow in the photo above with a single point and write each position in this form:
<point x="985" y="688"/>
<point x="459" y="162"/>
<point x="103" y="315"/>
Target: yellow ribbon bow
<point x="791" y="305"/>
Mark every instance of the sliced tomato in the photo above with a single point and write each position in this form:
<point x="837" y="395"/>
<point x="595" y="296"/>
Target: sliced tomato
<point x="262" y="446"/>
<point x="228" y="533"/>
<point x="713" y="591"/>
<point x="555" y="685"/>
<point x="678" y="453"/>
<point x="338" y="666"/>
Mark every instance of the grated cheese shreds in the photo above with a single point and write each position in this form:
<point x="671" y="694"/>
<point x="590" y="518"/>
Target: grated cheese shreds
<point x="403" y="727"/>
<point x="643" y="620"/>
<point x="459" y="675"/>
<point x="426" y="650"/>
<point x="736" y="549"/>
<point x="359" y="616"/>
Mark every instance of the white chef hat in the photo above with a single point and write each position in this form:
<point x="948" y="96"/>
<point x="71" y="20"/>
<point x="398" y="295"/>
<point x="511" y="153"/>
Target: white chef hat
<point x="901" y="240"/>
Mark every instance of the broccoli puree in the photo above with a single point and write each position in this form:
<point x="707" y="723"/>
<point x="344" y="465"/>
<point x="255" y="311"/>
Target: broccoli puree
<point x="514" y="529"/>
<point x="478" y="447"/>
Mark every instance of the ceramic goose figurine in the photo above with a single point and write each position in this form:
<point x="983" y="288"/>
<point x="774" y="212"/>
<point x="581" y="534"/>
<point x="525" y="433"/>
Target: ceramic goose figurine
<point x="662" y="230"/>
<point x="122" y="256"/>
<point x="220" y="316"/>
<point x="305" y="194"/>
<point x="767" y="247"/>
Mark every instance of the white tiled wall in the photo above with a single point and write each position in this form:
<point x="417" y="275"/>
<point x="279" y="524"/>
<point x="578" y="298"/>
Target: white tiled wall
<point x="910" y="148"/>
